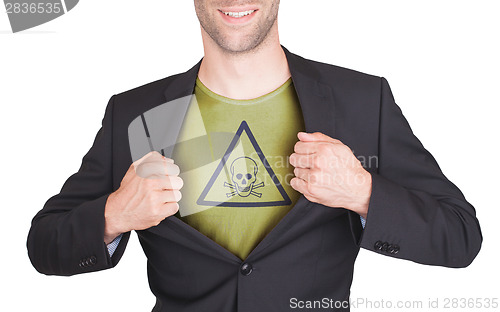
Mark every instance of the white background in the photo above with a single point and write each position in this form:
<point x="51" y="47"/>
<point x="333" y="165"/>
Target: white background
<point x="441" y="59"/>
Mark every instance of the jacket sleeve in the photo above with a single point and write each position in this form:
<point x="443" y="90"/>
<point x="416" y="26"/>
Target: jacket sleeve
<point x="67" y="236"/>
<point x="415" y="212"/>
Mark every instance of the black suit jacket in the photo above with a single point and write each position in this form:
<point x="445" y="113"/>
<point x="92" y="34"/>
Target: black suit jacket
<point x="415" y="212"/>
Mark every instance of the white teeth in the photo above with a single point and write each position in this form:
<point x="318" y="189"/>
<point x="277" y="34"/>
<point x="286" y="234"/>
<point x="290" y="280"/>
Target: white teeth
<point x="239" y="14"/>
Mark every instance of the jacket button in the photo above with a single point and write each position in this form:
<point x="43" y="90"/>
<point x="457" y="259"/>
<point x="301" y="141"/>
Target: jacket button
<point x="378" y="245"/>
<point x="384" y="246"/>
<point x="390" y="249"/>
<point x="396" y="249"/>
<point x="83" y="263"/>
<point x="93" y="260"/>
<point x="246" y="269"/>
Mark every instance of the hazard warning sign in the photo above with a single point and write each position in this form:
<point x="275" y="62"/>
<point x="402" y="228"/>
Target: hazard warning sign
<point x="243" y="177"/>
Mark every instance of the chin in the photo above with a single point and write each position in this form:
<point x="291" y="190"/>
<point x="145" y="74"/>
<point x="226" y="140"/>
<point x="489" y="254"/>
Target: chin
<point x="238" y="44"/>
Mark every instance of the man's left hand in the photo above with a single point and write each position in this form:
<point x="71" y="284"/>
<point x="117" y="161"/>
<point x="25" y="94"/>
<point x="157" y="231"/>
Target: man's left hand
<point x="327" y="172"/>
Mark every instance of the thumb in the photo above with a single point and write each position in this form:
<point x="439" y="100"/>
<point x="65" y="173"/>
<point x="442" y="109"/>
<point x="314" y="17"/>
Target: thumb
<point x="316" y="137"/>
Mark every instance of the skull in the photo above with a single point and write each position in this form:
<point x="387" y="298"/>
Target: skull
<point x="243" y="174"/>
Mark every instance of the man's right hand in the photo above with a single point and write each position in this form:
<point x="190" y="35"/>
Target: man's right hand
<point x="148" y="193"/>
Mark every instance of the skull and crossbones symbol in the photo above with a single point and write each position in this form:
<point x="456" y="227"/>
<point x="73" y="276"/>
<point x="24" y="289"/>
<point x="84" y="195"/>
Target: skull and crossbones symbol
<point x="243" y="174"/>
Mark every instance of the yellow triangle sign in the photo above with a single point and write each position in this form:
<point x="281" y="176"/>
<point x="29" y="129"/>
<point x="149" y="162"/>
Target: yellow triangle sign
<point x="243" y="177"/>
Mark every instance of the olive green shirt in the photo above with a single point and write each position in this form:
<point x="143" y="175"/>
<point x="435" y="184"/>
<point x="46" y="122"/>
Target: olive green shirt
<point x="234" y="159"/>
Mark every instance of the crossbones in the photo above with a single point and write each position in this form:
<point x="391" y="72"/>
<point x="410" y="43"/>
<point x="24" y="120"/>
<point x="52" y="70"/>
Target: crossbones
<point x="233" y="193"/>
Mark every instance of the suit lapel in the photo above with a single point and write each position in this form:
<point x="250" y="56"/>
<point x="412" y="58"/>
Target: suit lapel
<point x="316" y="98"/>
<point x="183" y="85"/>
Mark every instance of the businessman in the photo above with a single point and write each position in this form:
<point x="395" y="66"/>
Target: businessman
<point x="225" y="222"/>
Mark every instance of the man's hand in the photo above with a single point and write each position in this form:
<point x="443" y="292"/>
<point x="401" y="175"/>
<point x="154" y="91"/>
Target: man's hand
<point x="327" y="172"/>
<point x="148" y="193"/>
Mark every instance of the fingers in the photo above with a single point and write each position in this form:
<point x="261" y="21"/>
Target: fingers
<point x="157" y="169"/>
<point x="165" y="183"/>
<point x="171" y="208"/>
<point x="170" y="196"/>
<point x="312" y="147"/>
<point x="302" y="173"/>
<point x="171" y="183"/>
<point x="311" y="176"/>
<point x="316" y="137"/>
<point x="301" y="186"/>
<point x="303" y="161"/>
<point x="302" y="147"/>
<point x="298" y="184"/>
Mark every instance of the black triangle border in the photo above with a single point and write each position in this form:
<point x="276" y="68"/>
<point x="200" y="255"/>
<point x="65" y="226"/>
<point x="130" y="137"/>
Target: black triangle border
<point x="243" y="127"/>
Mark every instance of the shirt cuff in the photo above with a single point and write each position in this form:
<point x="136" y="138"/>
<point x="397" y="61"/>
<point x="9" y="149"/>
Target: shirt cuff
<point x="112" y="246"/>
<point x="363" y="221"/>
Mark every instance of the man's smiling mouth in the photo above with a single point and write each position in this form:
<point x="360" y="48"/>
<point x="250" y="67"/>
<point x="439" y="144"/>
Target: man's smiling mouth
<point x="238" y="14"/>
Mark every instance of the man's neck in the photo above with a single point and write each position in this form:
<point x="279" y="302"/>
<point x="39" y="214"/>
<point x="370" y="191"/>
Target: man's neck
<point x="244" y="76"/>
